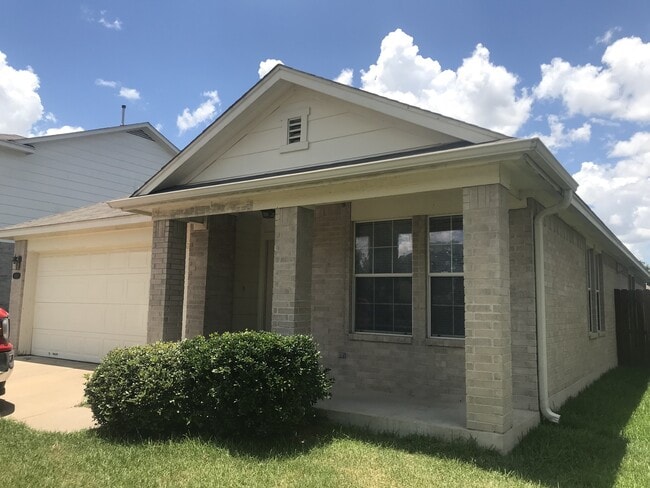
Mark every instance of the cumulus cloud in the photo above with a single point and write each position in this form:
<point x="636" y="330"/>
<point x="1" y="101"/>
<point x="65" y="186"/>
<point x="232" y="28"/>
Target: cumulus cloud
<point x="66" y="129"/>
<point x="346" y="76"/>
<point x="560" y="137"/>
<point x="115" y="24"/>
<point x="479" y="91"/>
<point x="626" y="207"/>
<point x="206" y="111"/>
<point x="267" y="65"/>
<point x="619" y="88"/>
<point x="129" y="93"/>
<point x="20" y="103"/>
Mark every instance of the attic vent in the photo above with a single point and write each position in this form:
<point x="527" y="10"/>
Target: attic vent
<point x="140" y="133"/>
<point x="294" y="130"/>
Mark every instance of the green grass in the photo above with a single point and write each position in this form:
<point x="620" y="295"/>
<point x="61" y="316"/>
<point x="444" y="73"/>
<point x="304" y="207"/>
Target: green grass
<point x="603" y="441"/>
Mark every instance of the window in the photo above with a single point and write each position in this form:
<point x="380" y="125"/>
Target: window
<point x="594" y="265"/>
<point x="446" y="281"/>
<point x="383" y="276"/>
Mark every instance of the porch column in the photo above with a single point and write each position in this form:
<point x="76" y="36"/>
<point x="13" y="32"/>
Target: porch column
<point x="488" y="360"/>
<point x="167" y="281"/>
<point x="292" y="271"/>
<point x="21" y="342"/>
<point x="195" y="280"/>
<point x="220" y="273"/>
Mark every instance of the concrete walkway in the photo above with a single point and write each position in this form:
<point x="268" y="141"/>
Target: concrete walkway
<point x="46" y="394"/>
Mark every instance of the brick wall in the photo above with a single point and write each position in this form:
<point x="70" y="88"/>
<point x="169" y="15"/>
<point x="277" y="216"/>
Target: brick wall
<point x="417" y="367"/>
<point x="16" y="300"/>
<point x="576" y="357"/>
<point x="166" y="290"/>
<point x="6" y="253"/>
<point x="522" y="308"/>
<point x="195" y="277"/>
<point x="220" y="273"/>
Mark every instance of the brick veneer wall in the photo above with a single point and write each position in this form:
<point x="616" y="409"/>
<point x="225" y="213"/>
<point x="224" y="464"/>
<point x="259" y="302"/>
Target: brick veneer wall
<point x="522" y="309"/>
<point x="418" y="367"/>
<point x="576" y="357"/>
<point x="195" y="275"/>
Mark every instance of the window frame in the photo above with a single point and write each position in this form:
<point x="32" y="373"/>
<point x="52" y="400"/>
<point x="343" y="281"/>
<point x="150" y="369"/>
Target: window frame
<point x="356" y="275"/>
<point x="446" y="274"/>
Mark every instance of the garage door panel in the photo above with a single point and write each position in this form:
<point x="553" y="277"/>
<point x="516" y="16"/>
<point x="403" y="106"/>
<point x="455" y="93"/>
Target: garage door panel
<point x="86" y="304"/>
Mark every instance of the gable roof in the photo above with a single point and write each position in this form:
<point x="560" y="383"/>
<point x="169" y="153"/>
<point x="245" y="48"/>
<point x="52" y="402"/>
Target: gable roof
<point x="267" y="93"/>
<point x="142" y="129"/>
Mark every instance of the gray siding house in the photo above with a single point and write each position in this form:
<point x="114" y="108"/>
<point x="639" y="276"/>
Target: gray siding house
<point x="51" y="174"/>
<point x="453" y="280"/>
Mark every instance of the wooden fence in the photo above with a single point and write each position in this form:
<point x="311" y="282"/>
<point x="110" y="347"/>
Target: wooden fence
<point x="633" y="327"/>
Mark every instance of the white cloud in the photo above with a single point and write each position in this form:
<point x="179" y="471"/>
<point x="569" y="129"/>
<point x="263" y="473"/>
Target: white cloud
<point x="66" y="129"/>
<point x="560" y="137"/>
<point x="129" y="93"/>
<point x="267" y="65"/>
<point x="50" y="117"/>
<point x="20" y="103"/>
<point x="110" y="24"/>
<point x="619" y="194"/>
<point x="106" y="83"/>
<point x="607" y="37"/>
<point x="204" y="112"/>
<point x="478" y="91"/>
<point x="346" y="76"/>
<point x="619" y="88"/>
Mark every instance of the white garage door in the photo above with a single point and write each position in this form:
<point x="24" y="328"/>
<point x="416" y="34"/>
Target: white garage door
<point x="89" y="303"/>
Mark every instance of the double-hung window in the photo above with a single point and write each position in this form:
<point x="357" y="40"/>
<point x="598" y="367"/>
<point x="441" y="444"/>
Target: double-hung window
<point x="383" y="276"/>
<point x="446" y="279"/>
<point x="594" y="265"/>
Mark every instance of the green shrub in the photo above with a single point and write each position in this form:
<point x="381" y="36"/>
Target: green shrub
<point x="250" y="382"/>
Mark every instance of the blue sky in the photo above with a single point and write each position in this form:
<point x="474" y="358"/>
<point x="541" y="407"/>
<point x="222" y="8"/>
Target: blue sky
<point x="575" y="73"/>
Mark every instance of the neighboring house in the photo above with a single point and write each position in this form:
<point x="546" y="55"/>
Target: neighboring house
<point x="45" y="175"/>
<point x="402" y="240"/>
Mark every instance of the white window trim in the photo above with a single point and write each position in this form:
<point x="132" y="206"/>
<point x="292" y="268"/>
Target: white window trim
<point x="595" y="305"/>
<point x="375" y="336"/>
<point x="439" y="339"/>
<point x="304" y="130"/>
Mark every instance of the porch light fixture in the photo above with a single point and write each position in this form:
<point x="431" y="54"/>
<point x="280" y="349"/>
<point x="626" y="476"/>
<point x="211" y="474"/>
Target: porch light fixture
<point x="16" y="263"/>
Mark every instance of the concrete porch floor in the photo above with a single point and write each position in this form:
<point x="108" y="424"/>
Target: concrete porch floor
<point x="436" y="418"/>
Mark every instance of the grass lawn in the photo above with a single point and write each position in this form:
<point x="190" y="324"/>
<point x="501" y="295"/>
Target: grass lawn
<point x="603" y="440"/>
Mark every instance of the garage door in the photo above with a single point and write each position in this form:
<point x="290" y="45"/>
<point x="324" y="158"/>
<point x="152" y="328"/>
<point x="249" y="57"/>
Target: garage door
<point x="89" y="303"/>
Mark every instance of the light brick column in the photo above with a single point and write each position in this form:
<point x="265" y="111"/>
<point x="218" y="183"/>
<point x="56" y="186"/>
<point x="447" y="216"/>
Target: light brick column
<point x="6" y="253"/>
<point x="220" y="273"/>
<point x="167" y="281"/>
<point x="292" y="271"/>
<point x="487" y="309"/>
<point x="196" y="271"/>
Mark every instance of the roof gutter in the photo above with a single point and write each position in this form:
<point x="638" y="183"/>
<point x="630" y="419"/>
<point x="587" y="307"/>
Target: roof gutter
<point x="540" y="302"/>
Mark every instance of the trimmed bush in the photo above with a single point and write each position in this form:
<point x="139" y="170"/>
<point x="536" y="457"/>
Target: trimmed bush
<point x="255" y="383"/>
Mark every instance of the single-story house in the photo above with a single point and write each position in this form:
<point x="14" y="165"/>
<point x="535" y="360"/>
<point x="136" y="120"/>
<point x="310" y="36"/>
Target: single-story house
<point x="47" y="175"/>
<point x="447" y="272"/>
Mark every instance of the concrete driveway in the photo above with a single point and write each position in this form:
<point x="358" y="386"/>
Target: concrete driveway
<point x="47" y="394"/>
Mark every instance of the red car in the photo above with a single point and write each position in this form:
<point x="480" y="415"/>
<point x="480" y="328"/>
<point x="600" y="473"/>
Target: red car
<point x="6" y="350"/>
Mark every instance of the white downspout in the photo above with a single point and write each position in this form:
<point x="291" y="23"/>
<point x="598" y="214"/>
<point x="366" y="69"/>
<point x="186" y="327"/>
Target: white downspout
<point x="540" y="302"/>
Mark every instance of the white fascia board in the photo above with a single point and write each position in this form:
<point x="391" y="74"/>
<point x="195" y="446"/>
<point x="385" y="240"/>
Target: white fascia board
<point x="21" y="148"/>
<point x="67" y="227"/>
<point x="480" y="154"/>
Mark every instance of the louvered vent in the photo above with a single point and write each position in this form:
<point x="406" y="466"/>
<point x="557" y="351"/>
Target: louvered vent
<point x="294" y="130"/>
<point x="140" y="133"/>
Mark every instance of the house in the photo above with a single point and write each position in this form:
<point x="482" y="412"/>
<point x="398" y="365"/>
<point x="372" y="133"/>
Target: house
<point x="454" y="282"/>
<point x="51" y="174"/>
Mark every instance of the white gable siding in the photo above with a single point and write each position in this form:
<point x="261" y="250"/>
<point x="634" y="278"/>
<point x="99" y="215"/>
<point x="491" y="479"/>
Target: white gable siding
<point x="69" y="173"/>
<point x="337" y="131"/>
